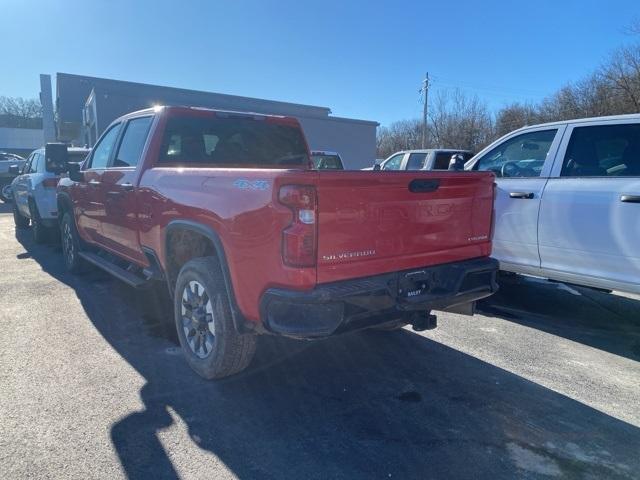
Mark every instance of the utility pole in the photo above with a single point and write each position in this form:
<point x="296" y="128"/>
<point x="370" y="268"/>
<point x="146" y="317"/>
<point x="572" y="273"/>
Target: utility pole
<point x="425" y="91"/>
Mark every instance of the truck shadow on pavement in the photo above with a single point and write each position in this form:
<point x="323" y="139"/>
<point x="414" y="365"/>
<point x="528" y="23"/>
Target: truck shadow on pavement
<point x="605" y="321"/>
<point x="365" y="405"/>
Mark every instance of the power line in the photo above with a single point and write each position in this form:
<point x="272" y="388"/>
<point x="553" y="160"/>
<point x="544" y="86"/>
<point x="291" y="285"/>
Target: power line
<point x="487" y="87"/>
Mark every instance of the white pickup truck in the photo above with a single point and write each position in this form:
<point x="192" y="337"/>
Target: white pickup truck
<point x="424" y="159"/>
<point x="568" y="201"/>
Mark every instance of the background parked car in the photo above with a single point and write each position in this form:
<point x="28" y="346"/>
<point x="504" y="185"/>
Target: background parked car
<point x="568" y="201"/>
<point x="6" y="160"/>
<point x="34" y="191"/>
<point x="325" y="160"/>
<point x="426" y="159"/>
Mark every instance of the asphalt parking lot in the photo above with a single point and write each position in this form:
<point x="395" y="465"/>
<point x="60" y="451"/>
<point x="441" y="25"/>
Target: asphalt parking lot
<point x="545" y="383"/>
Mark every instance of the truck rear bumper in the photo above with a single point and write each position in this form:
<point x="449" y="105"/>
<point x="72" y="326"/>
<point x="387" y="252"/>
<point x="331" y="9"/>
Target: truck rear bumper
<point x="361" y="303"/>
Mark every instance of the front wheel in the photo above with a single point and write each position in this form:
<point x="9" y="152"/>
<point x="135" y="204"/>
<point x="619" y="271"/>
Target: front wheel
<point x="70" y="245"/>
<point x="40" y="232"/>
<point x="18" y="218"/>
<point x="209" y="340"/>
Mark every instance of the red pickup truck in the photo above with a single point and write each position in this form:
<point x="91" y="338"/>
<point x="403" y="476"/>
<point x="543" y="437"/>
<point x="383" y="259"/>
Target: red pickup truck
<point x="225" y="210"/>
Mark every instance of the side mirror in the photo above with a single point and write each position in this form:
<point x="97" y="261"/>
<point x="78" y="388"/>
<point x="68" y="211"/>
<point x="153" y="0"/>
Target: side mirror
<point x="56" y="157"/>
<point x="457" y="162"/>
<point x="377" y="166"/>
<point x="14" y="170"/>
<point x="75" y="174"/>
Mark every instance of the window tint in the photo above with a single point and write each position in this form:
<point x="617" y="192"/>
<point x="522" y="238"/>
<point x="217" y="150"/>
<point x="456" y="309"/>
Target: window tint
<point x="102" y="151"/>
<point x="394" y="163"/>
<point x="133" y="142"/>
<point x="603" y="151"/>
<point x="416" y="161"/>
<point x="520" y="156"/>
<point x="232" y="141"/>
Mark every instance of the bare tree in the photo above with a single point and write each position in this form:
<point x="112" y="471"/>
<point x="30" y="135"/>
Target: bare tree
<point x="459" y="121"/>
<point x="622" y="74"/>
<point x="19" y="112"/>
<point x="402" y="135"/>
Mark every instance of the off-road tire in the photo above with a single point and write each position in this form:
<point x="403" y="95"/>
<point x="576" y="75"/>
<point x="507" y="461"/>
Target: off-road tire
<point x="39" y="231"/>
<point x="69" y="238"/>
<point x="231" y="352"/>
<point x="19" y="220"/>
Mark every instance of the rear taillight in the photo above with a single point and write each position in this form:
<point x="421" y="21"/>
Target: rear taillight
<point x="493" y="211"/>
<point x="299" y="239"/>
<point x="51" y="182"/>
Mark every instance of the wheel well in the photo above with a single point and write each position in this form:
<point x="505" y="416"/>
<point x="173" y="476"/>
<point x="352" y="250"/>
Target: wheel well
<point x="184" y="244"/>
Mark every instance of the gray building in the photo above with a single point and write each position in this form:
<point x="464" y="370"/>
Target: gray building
<point x="21" y="141"/>
<point x="86" y="105"/>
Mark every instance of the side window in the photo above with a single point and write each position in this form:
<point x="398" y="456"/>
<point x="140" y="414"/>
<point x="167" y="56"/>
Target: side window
<point x="442" y="160"/>
<point x="394" y="163"/>
<point x="603" y="151"/>
<point x="27" y="165"/>
<point x="133" y="140"/>
<point x="102" y="151"/>
<point x="416" y="161"/>
<point x="521" y="156"/>
<point x="38" y="160"/>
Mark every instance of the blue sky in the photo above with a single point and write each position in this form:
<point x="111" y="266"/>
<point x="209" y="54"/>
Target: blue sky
<point x="363" y="59"/>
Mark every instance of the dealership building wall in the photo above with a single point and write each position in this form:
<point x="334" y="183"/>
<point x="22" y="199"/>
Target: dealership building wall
<point x="21" y="141"/>
<point x="87" y="105"/>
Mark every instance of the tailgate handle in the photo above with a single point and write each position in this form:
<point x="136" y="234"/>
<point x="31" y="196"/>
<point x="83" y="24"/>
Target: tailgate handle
<point x="423" y="186"/>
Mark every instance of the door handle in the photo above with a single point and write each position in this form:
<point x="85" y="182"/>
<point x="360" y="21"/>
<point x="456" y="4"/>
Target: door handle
<point x="423" y="186"/>
<point x="526" y="195"/>
<point x="127" y="186"/>
<point x="94" y="183"/>
<point x="630" y="198"/>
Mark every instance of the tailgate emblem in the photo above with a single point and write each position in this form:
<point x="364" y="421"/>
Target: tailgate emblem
<point x="346" y="255"/>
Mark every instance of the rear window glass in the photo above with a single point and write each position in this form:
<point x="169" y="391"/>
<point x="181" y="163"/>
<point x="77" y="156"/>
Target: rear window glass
<point x="236" y="142"/>
<point x="326" y="162"/>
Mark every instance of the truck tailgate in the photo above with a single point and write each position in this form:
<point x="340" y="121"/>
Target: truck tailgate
<point x="378" y="222"/>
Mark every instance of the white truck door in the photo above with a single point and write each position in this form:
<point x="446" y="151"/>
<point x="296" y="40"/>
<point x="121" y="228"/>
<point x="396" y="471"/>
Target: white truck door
<point x="590" y="215"/>
<point x="522" y="162"/>
<point x="20" y="186"/>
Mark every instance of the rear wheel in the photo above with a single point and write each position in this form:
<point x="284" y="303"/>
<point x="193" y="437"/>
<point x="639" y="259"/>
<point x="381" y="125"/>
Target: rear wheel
<point x="40" y="232"/>
<point x="19" y="219"/>
<point x="209" y="340"/>
<point x="70" y="245"/>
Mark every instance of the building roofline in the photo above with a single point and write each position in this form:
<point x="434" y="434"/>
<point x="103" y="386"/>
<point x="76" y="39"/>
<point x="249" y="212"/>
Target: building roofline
<point x="125" y="83"/>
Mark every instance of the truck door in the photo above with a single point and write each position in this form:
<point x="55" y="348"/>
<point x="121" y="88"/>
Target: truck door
<point x="20" y="186"/>
<point x="522" y="163"/>
<point x="120" y="223"/>
<point x="590" y="213"/>
<point x="91" y="200"/>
